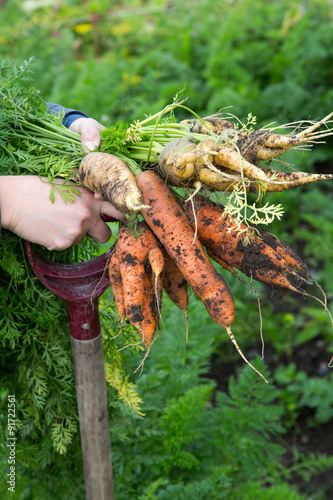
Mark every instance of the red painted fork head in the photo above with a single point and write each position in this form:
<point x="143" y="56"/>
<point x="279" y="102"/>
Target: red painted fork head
<point x="79" y="285"/>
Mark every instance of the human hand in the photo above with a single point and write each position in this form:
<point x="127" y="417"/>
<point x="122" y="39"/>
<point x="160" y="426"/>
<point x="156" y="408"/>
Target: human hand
<point x="89" y="129"/>
<point x="26" y="210"/>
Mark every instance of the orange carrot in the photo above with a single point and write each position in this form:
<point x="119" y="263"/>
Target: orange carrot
<point x="260" y="257"/>
<point x="148" y="325"/>
<point x="175" y="284"/>
<point x="131" y="256"/>
<point x="169" y="223"/>
<point x="291" y="258"/>
<point x="156" y="260"/>
<point x="117" y="286"/>
<point x="243" y="250"/>
<point x="132" y="251"/>
<point x="268" y="276"/>
<point x="263" y="257"/>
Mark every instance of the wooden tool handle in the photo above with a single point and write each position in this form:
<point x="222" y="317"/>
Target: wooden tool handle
<point x="93" y="416"/>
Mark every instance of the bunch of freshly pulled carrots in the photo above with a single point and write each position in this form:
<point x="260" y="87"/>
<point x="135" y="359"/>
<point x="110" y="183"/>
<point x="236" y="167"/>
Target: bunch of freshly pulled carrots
<point x="163" y="174"/>
<point x="173" y="240"/>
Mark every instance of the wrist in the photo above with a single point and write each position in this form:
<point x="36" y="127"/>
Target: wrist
<point x="71" y="117"/>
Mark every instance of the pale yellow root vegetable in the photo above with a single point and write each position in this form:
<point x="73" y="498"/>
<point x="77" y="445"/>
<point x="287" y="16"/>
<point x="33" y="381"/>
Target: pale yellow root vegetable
<point x="215" y="181"/>
<point x="231" y="159"/>
<point x="176" y="160"/>
<point x="209" y="124"/>
<point x="205" y="151"/>
<point x="258" y="145"/>
<point x="218" y="168"/>
<point x="283" y="181"/>
<point x="181" y="160"/>
<point x="109" y="176"/>
<point x="266" y="145"/>
<point x="304" y="136"/>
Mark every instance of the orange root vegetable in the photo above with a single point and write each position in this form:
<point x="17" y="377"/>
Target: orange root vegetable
<point x="147" y="327"/>
<point x="109" y="176"/>
<point x="117" y="286"/>
<point x="269" y="276"/>
<point x="131" y="256"/>
<point x="156" y="260"/>
<point x="140" y="300"/>
<point x="170" y="225"/>
<point x="245" y="251"/>
<point x="175" y="284"/>
<point x="290" y="257"/>
<point x="257" y="254"/>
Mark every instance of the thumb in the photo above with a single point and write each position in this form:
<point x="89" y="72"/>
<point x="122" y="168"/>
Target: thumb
<point x="90" y="132"/>
<point x="90" y="138"/>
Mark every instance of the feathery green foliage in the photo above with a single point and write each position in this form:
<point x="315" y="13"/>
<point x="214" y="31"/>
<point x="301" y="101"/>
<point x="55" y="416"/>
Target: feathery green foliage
<point x="197" y="441"/>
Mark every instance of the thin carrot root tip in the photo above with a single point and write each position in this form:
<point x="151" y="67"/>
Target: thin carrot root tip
<point x="321" y="290"/>
<point x="141" y="365"/>
<point x="119" y="333"/>
<point x="197" y="187"/>
<point x="233" y="340"/>
<point x="308" y="131"/>
<point x="320" y="302"/>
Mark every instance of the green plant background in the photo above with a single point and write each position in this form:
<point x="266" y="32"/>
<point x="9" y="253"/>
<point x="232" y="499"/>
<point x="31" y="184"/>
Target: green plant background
<point x="177" y="431"/>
